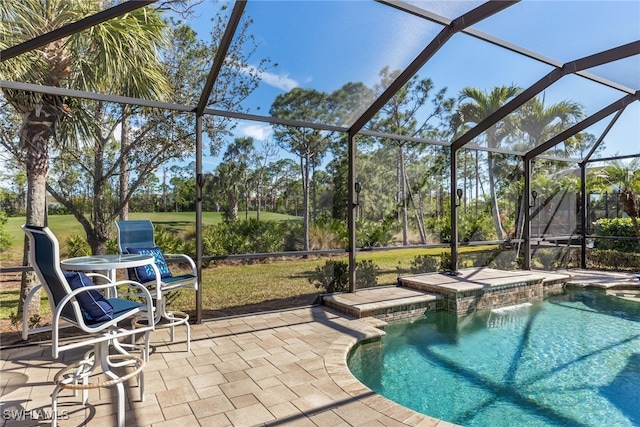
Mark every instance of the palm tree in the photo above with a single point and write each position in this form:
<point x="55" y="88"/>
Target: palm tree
<point x="475" y="106"/>
<point x="626" y="179"/>
<point x="118" y="55"/>
<point x="539" y="124"/>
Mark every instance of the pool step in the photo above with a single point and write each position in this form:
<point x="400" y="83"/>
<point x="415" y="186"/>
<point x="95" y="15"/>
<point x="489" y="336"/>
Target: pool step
<point x="385" y="302"/>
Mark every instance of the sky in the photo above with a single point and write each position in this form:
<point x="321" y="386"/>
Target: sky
<point x="324" y="44"/>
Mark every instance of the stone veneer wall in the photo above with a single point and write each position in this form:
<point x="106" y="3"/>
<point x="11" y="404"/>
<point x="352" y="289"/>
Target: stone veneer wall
<point x="554" y="287"/>
<point x="459" y="303"/>
<point x="501" y="296"/>
<point x="407" y="311"/>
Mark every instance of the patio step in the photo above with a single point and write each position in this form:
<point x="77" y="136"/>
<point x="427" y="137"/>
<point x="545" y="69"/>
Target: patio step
<point x="385" y="303"/>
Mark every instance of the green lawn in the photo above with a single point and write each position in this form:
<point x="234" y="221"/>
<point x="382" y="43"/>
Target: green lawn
<point x="272" y="284"/>
<point x="232" y="288"/>
<point x="64" y="226"/>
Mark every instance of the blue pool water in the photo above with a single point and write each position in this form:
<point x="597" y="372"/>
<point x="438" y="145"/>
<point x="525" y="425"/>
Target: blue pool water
<point x="572" y="360"/>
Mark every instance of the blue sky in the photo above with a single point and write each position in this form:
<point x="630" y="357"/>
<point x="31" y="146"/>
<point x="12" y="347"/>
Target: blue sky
<point x="325" y="44"/>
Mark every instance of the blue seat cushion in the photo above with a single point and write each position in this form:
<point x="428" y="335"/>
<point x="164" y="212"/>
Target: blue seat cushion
<point x="122" y="306"/>
<point x="180" y="278"/>
<point x="95" y="307"/>
<point x="145" y="273"/>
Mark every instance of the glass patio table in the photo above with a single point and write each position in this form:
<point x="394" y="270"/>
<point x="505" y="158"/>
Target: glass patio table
<point x="109" y="263"/>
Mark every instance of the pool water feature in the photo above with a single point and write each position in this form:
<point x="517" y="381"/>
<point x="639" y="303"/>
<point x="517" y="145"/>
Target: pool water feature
<point x="570" y="360"/>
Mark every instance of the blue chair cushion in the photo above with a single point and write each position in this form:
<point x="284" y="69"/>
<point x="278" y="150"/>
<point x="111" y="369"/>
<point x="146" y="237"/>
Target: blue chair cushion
<point x="180" y="278"/>
<point x="122" y="306"/>
<point x="145" y="273"/>
<point x="95" y="307"/>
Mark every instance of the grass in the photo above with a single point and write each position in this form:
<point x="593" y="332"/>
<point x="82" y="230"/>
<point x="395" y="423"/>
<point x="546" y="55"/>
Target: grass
<point x="64" y="226"/>
<point x="244" y="288"/>
<point x="230" y="289"/>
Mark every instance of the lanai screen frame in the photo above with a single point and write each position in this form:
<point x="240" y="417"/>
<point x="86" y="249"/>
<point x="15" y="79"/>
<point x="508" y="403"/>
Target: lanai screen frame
<point x="450" y="27"/>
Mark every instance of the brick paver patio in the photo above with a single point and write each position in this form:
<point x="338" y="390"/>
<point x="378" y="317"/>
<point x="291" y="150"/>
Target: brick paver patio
<point x="285" y="368"/>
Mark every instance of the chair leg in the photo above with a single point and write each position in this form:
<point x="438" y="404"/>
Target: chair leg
<point x="141" y="384"/>
<point x="144" y="350"/>
<point x="188" y="336"/>
<point x="121" y="397"/>
<point x="54" y="406"/>
<point x="70" y="376"/>
<point x="89" y="358"/>
<point x="147" y="337"/>
<point x="174" y="318"/>
<point x="102" y="351"/>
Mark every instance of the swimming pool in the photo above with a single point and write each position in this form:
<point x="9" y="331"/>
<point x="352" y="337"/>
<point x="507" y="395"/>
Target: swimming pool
<point x="571" y="360"/>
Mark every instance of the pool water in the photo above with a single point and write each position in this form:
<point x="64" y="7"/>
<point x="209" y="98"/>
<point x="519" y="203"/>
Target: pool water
<point x="572" y="360"/>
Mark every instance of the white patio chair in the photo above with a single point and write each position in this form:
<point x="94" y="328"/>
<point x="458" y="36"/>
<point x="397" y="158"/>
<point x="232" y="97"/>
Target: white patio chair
<point x="76" y="300"/>
<point x="137" y="237"/>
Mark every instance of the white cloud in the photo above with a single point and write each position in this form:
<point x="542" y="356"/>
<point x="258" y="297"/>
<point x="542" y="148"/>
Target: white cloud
<point x="280" y="81"/>
<point x="260" y="132"/>
<point x="283" y="81"/>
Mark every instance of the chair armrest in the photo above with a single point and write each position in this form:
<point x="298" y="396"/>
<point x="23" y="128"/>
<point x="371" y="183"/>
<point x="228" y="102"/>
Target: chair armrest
<point x="144" y="293"/>
<point x="182" y="258"/>
<point x="146" y="313"/>
<point x="102" y="276"/>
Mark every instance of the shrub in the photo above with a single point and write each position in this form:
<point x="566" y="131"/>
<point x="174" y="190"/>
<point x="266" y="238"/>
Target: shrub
<point x="77" y="246"/>
<point x="293" y="236"/>
<point x="440" y="227"/>
<point x="57" y="209"/>
<point x="366" y="274"/>
<point x="333" y="276"/>
<point x="424" y="264"/>
<point x="475" y="227"/>
<point x="429" y="263"/>
<point x="328" y="233"/>
<point x="614" y="260"/>
<point x="373" y="233"/>
<point x="616" y="227"/>
<point x="445" y="261"/>
<point x="213" y="241"/>
<point x="112" y="245"/>
<point x="243" y="237"/>
<point x="478" y="258"/>
<point x="547" y="258"/>
<point x="5" y="238"/>
<point x="505" y="260"/>
<point x="169" y="242"/>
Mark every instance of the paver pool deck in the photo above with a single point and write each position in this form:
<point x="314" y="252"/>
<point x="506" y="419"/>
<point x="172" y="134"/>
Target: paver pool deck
<point x="286" y="368"/>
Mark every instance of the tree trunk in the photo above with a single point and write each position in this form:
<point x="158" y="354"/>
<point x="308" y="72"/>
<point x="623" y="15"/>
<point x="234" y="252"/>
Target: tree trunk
<point x="247" y="197"/>
<point x="124" y="166"/>
<point x="630" y="205"/>
<point x="419" y="215"/>
<point x="494" y="200"/>
<point x="259" y="197"/>
<point x="232" y="204"/>
<point x="403" y="196"/>
<point x="305" y="201"/>
<point x="37" y="130"/>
